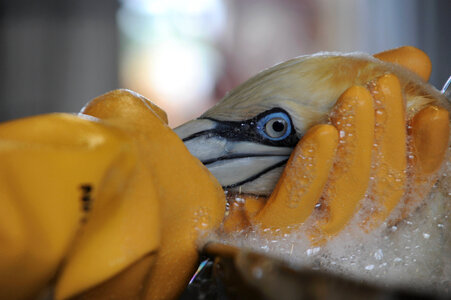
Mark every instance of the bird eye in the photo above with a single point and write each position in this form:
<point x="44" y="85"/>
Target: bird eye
<point x="275" y="126"/>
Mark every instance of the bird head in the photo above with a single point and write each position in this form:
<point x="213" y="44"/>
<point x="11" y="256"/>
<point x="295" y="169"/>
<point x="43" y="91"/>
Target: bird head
<point x="246" y="139"/>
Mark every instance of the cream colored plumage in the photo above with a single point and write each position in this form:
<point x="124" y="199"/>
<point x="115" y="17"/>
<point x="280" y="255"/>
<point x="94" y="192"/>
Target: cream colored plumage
<point x="308" y="87"/>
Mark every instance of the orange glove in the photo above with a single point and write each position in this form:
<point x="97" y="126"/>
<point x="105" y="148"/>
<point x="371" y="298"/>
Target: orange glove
<point x="369" y="160"/>
<point x="56" y="172"/>
<point x="113" y="193"/>
<point x="189" y="199"/>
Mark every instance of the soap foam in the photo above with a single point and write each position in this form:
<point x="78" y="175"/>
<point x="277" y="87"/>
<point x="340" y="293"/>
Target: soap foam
<point x="413" y="253"/>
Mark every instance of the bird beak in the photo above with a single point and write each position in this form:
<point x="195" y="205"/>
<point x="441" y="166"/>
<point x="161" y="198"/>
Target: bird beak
<point x="232" y="155"/>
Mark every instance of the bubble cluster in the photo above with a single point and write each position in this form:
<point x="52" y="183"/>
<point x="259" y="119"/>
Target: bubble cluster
<point x="410" y="250"/>
<point x="308" y="160"/>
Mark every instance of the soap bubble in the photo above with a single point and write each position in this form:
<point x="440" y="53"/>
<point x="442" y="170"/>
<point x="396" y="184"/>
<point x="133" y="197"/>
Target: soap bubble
<point x="412" y="252"/>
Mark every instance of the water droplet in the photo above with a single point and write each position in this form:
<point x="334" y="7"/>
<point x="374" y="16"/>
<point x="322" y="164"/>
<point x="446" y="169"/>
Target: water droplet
<point x="369" y="267"/>
<point x="239" y="200"/>
<point x="426" y="235"/>
<point x="312" y="251"/>
<point x="378" y="254"/>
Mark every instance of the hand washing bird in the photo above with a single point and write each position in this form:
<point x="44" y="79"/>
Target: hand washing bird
<point x="112" y="202"/>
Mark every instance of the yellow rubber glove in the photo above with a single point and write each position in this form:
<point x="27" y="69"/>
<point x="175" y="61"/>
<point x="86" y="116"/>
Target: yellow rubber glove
<point x="353" y="116"/>
<point x="410" y="58"/>
<point x="118" y="234"/>
<point x="190" y="201"/>
<point x="390" y="161"/>
<point x="54" y="171"/>
<point x="371" y="122"/>
<point x="298" y="190"/>
<point x="429" y="132"/>
<point x="125" y="184"/>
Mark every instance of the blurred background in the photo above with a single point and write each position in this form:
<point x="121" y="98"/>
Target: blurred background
<point x="56" y="55"/>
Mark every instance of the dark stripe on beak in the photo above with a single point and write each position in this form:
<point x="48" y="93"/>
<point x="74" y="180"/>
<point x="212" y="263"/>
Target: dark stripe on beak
<point x="252" y="178"/>
<point x="245" y="131"/>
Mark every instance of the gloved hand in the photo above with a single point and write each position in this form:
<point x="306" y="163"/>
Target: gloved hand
<point x="56" y="172"/>
<point x="93" y="192"/>
<point x="189" y="198"/>
<point x="363" y="149"/>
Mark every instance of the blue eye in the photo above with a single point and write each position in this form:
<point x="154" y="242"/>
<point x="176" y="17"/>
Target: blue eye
<point x="275" y="126"/>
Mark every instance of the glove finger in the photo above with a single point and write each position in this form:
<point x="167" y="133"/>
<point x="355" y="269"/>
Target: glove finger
<point x="252" y="205"/>
<point x="302" y="182"/>
<point x="235" y="217"/>
<point x="241" y="209"/>
<point x="353" y="116"/>
<point x="429" y="136"/>
<point x="410" y="58"/>
<point x="389" y="161"/>
<point x="430" y="133"/>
